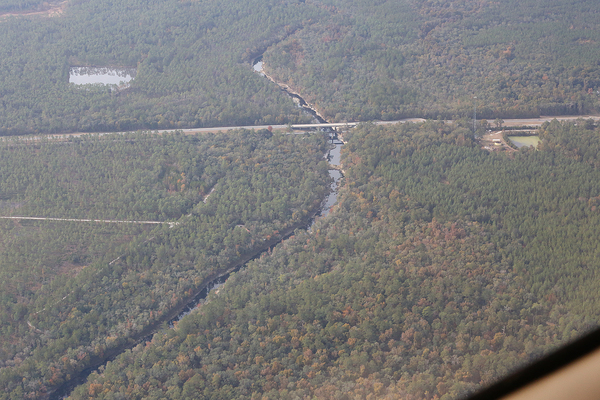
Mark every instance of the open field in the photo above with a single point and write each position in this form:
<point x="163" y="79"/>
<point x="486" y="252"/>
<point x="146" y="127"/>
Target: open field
<point x="53" y="9"/>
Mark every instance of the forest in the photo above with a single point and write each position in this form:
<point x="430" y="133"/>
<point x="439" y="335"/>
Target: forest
<point x="20" y="5"/>
<point x="353" y="60"/>
<point x="74" y="291"/>
<point x="391" y="60"/>
<point x="442" y="268"/>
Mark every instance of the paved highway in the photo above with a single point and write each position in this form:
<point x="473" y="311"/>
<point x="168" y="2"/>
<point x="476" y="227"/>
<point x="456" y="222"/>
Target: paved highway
<point x="529" y="122"/>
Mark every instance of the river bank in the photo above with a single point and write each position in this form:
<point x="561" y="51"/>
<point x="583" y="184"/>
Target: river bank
<point x="190" y="302"/>
<point x="258" y="66"/>
<point x="146" y="334"/>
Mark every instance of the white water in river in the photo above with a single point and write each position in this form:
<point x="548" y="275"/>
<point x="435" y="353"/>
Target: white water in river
<point x="334" y="157"/>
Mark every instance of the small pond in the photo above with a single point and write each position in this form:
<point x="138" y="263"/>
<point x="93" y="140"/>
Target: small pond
<point x="101" y="75"/>
<point x="525" y="141"/>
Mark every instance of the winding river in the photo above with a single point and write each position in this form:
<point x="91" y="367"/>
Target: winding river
<point x="214" y="283"/>
<point x="258" y="65"/>
<point x="219" y="279"/>
<point x="333" y="156"/>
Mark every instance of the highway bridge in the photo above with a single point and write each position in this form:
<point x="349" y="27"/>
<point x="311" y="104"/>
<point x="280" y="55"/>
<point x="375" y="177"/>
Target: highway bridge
<point x="336" y="126"/>
<point x="525" y="123"/>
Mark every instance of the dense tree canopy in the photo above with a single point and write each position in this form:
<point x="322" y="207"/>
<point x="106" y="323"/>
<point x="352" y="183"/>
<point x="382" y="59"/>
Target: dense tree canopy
<point x="441" y="269"/>
<point x="395" y="59"/>
<point x="355" y="60"/>
<point x="74" y="291"/>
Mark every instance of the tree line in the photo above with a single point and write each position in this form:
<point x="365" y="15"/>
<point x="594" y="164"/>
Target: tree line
<point x="73" y="292"/>
<point x="354" y="62"/>
<point x="442" y="268"/>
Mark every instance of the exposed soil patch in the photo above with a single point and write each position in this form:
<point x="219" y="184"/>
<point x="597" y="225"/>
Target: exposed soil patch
<point x="494" y="141"/>
<point x="53" y="9"/>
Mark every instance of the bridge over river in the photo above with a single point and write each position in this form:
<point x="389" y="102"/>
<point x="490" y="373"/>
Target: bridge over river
<point x="526" y="123"/>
